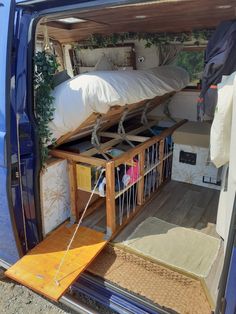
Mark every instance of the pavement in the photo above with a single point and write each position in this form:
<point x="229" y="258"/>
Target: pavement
<point x="17" y="299"/>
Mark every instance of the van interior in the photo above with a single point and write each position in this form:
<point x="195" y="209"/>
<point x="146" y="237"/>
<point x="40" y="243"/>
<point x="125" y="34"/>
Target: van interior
<point x="136" y="179"/>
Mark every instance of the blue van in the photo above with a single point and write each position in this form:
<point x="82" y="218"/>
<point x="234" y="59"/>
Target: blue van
<point x="26" y="27"/>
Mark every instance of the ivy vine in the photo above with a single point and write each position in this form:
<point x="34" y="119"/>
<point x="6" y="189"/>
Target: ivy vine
<point x="45" y="68"/>
<point x="151" y="39"/>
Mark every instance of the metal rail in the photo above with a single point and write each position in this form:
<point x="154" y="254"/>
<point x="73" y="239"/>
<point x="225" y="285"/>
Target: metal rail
<point x="76" y="305"/>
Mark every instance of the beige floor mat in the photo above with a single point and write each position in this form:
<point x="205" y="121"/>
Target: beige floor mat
<point x="184" y="249"/>
<point x="160" y="285"/>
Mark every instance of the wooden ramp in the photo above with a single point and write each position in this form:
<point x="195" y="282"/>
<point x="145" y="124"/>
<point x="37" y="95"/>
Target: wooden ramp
<point x="38" y="268"/>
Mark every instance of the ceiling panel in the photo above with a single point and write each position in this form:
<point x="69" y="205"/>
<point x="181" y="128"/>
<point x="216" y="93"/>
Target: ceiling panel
<point x="156" y="16"/>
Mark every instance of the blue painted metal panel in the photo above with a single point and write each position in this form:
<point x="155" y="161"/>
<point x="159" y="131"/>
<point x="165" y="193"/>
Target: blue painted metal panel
<point x="231" y="286"/>
<point x="8" y="246"/>
<point x="22" y="138"/>
<point x="47" y="5"/>
<point x="2" y="143"/>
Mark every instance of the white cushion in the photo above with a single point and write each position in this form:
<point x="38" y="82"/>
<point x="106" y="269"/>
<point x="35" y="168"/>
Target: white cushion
<point x="104" y="64"/>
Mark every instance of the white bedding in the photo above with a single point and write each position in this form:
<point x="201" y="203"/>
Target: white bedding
<point x="77" y="98"/>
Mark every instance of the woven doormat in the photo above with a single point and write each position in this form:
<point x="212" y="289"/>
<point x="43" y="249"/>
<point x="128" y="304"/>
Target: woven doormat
<point x="183" y="249"/>
<point x="158" y="284"/>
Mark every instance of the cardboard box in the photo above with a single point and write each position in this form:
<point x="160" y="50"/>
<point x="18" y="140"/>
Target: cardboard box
<point x="86" y="176"/>
<point x="191" y="164"/>
<point x="193" y="134"/>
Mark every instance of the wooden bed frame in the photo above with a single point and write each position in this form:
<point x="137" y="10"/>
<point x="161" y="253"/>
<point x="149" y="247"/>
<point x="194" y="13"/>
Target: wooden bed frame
<point x="140" y="151"/>
<point x="112" y="117"/>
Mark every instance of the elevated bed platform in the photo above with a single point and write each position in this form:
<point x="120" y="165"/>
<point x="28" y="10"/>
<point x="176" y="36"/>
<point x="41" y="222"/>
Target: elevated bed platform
<point x="123" y="180"/>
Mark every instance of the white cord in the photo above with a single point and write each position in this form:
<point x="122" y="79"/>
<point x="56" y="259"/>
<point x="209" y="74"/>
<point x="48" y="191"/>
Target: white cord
<point x="77" y="227"/>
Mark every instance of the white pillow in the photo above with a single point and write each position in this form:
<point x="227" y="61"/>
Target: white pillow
<point x="104" y="64"/>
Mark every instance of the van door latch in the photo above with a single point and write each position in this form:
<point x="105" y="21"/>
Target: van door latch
<point x="15" y="174"/>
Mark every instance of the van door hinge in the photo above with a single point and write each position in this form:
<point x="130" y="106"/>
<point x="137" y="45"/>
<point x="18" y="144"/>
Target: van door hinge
<point x="223" y="305"/>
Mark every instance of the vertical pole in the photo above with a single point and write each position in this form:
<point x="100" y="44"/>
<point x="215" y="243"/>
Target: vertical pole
<point x="141" y="175"/>
<point x="73" y="191"/>
<point x="161" y="157"/>
<point x="110" y="198"/>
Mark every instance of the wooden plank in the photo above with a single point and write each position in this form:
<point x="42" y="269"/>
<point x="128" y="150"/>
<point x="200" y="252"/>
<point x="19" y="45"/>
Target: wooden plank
<point x="110" y="198"/>
<point x="136" y="150"/>
<point x="141" y="182"/>
<point x="103" y="147"/>
<point x="134" y="138"/>
<point x="73" y="191"/>
<point x="113" y="116"/>
<point x="77" y="157"/>
<point x="158" y="15"/>
<point x="88" y="121"/>
<point x="143" y="127"/>
<point x="114" y="142"/>
<point x="38" y="268"/>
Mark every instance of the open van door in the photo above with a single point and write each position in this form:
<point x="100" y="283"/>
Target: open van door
<point x="9" y="251"/>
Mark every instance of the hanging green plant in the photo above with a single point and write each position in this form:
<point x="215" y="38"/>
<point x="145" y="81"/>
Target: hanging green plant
<point x="45" y="68"/>
<point x="151" y="39"/>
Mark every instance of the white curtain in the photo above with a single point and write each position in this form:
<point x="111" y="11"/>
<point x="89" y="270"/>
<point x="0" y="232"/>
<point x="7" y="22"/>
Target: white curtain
<point x="168" y="53"/>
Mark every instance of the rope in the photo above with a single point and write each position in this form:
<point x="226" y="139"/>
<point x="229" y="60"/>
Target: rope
<point x="46" y="41"/>
<point x="77" y="227"/>
<point x="94" y="138"/>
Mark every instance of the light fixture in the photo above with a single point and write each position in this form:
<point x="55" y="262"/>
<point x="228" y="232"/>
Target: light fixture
<point x="226" y="6"/>
<point x="71" y="20"/>
<point x="140" y="16"/>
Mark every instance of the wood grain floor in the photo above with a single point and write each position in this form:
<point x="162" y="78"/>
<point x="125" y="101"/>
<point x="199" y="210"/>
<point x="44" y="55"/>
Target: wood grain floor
<point x="182" y="204"/>
<point x="189" y="206"/>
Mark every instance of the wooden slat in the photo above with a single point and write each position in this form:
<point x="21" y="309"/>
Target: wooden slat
<point x="136" y="150"/>
<point x="77" y="157"/>
<point x="161" y="17"/>
<point x="37" y="269"/>
<point x="114" y="142"/>
<point x="112" y="117"/>
<point x="103" y="147"/>
<point x="110" y="198"/>
<point x="134" y="138"/>
<point x="87" y="122"/>
<point x="73" y="191"/>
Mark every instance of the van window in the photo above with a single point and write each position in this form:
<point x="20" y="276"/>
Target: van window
<point x="193" y="62"/>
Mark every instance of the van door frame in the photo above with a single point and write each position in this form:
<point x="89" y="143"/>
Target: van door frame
<point x="85" y="6"/>
<point x="30" y="18"/>
<point x="226" y="302"/>
<point x="7" y="79"/>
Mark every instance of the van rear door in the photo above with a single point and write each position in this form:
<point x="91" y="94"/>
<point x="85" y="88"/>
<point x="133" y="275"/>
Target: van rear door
<point x="9" y="249"/>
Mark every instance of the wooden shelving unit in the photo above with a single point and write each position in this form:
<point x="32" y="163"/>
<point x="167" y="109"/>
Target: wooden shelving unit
<point x="150" y="170"/>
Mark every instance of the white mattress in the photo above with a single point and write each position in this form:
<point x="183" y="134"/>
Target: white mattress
<point x="77" y="98"/>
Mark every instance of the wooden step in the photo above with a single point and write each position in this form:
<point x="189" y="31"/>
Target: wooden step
<point x="38" y="268"/>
